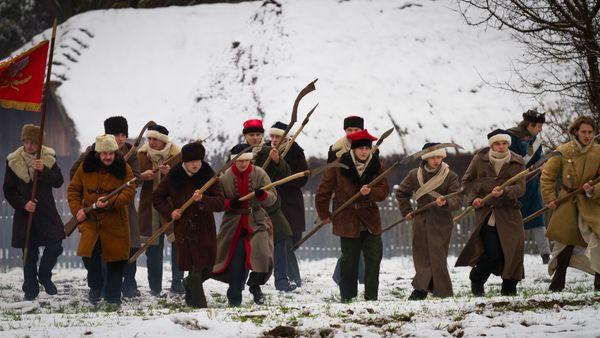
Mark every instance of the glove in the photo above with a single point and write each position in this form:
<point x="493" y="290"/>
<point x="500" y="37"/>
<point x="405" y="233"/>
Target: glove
<point x="259" y="193"/>
<point x="235" y="203"/>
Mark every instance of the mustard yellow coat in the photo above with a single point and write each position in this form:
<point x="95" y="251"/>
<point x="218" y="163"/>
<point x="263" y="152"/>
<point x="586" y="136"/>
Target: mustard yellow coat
<point x="575" y="168"/>
<point x="111" y="224"/>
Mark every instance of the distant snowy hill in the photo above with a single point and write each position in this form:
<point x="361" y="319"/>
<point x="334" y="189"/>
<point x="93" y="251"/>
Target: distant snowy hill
<point x="205" y="69"/>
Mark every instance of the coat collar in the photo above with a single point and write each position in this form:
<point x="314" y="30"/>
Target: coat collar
<point x="178" y="177"/>
<point x="351" y="173"/>
<point x="92" y="163"/>
<point x="17" y="164"/>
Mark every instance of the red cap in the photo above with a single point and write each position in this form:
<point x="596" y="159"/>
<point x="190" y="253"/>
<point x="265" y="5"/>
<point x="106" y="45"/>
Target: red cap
<point x="361" y="139"/>
<point x="253" y="126"/>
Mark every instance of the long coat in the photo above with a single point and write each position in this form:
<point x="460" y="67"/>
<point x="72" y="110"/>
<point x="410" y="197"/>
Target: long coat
<point x="292" y="200"/>
<point x="521" y="143"/>
<point x="134" y="231"/>
<point x="256" y="226"/>
<point x="432" y="231"/>
<point x="195" y="233"/>
<point x="281" y="226"/>
<point x="46" y="227"/>
<point x="364" y="212"/>
<point x="479" y="180"/>
<point x="145" y="206"/>
<point x="111" y="224"/>
<point x="575" y="168"/>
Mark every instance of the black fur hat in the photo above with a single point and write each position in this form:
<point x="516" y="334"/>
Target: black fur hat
<point x="115" y="125"/>
<point x="192" y="152"/>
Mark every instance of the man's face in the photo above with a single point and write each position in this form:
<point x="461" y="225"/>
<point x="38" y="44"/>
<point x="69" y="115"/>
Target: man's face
<point x="434" y="162"/>
<point x="351" y="130"/>
<point x="362" y="153"/>
<point x="254" y="139"/>
<point x="535" y="128"/>
<point x="585" y="134"/>
<point x="156" y="144"/>
<point x="193" y="166"/>
<point x="107" y="157"/>
<point x="500" y="146"/>
<point x="121" y="138"/>
<point x="242" y="165"/>
<point x="30" y="146"/>
<point x="275" y="140"/>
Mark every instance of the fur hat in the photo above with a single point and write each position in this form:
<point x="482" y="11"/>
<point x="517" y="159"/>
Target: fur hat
<point x="534" y="117"/>
<point x="439" y="152"/>
<point x="253" y="126"/>
<point x="30" y="132"/>
<point x="106" y="143"/>
<point x="361" y="139"/>
<point x="278" y="128"/>
<point x="499" y="135"/>
<point x="354" y="121"/>
<point x="248" y="155"/>
<point x="193" y="151"/>
<point x="115" y="125"/>
<point x="158" y="132"/>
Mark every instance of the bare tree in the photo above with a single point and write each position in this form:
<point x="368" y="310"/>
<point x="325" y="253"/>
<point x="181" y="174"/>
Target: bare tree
<point x="562" y="46"/>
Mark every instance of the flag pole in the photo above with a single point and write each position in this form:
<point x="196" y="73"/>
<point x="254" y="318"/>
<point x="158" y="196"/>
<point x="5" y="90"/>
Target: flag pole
<point x="45" y="94"/>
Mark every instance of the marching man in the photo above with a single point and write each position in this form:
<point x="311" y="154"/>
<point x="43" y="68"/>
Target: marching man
<point x="575" y="224"/>
<point x="497" y="243"/>
<point x="47" y="229"/>
<point x="526" y="142"/>
<point x="358" y="226"/>
<point x="245" y="239"/>
<point x="433" y="228"/>
<point x="105" y="231"/>
<point x="195" y="232"/>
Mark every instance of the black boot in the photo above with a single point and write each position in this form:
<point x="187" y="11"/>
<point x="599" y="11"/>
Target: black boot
<point x="477" y="289"/>
<point x="258" y="296"/>
<point x="560" y="274"/>
<point x="194" y="292"/>
<point x="177" y="287"/>
<point x="95" y="295"/>
<point x="545" y="259"/>
<point x="509" y="287"/>
<point x="49" y="287"/>
<point x="418" y="295"/>
<point x="597" y="282"/>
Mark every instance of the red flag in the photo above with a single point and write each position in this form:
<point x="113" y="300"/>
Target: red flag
<point x="22" y="79"/>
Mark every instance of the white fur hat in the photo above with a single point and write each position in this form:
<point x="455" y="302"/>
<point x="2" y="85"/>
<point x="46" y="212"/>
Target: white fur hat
<point x="499" y="135"/>
<point x="106" y="143"/>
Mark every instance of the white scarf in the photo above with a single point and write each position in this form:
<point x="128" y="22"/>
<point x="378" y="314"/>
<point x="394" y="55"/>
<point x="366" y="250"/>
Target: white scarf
<point x="360" y="166"/>
<point x="21" y="163"/>
<point x="498" y="160"/>
<point x="435" y="182"/>
<point x="158" y="157"/>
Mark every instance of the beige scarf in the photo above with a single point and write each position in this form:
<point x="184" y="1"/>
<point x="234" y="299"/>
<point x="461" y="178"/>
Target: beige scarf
<point x="341" y="146"/>
<point x="427" y="188"/>
<point x="498" y="160"/>
<point x="158" y="157"/>
<point x="360" y="166"/>
<point x="28" y="158"/>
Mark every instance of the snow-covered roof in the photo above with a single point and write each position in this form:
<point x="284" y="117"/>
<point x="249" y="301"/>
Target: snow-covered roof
<point x="205" y="69"/>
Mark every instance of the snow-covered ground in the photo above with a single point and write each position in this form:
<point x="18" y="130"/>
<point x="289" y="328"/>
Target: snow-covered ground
<point x="313" y="310"/>
<point x="205" y="69"/>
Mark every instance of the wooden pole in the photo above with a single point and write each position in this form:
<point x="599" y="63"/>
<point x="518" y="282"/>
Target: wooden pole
<point x="45" y="94"/>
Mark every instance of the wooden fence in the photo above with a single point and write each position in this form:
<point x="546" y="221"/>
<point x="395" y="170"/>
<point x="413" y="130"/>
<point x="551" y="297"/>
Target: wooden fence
<point x="396" y="242"/>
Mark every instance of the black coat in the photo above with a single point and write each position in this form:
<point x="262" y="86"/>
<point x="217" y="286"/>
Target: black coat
<point x="47" y="226"/>
<point x="292" y="200"/>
